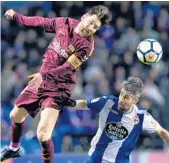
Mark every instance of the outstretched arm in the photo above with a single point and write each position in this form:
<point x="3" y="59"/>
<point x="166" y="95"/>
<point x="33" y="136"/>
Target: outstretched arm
<point x="95" y="105"/>
<point x="80" y="105"/>
<point x="36" y="21"/>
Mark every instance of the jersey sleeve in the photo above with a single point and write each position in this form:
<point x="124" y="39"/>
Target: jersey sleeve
<point x="97" y="104"/>
<point x="149" y="123"/>
<point x="49" y="24"/>
<point x="85" y="49"/>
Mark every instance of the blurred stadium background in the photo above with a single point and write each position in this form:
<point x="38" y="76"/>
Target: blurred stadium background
<point x="115" y="59"/>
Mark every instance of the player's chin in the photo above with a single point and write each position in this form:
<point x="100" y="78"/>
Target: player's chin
<point x="86" y="34"/>
<point x="120" y="108"/>
<point x="123" y="109"/>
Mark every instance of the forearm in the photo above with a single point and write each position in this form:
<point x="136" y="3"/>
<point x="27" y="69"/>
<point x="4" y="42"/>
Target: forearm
<point x="29" y="21"/>
<point x="164" y="134"/>
<point x="80" y="105"/>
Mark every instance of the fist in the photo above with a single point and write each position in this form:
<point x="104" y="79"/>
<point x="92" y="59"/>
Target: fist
<point x="9" y="14"/>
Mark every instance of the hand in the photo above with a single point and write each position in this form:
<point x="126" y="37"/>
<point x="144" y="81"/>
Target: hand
<point x="71" y="103"/>
<point x="36" y="80"/>
<point x="65" y="101"/>
<point x="9" y="14"/>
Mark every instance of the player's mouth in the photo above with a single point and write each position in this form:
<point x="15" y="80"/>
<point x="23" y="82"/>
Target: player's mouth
<point x="86" y="32"/>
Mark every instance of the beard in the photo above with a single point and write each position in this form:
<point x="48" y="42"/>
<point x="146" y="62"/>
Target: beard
<point x="85" y="32"/>
<point x="123" y="108"/>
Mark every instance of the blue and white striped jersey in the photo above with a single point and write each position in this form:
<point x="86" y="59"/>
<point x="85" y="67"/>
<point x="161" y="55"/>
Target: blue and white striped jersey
<point x="117" y="132"/>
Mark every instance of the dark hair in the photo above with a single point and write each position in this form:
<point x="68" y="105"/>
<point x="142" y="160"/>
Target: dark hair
<point x="134" y="86"/>
<point x="102" y="12"/>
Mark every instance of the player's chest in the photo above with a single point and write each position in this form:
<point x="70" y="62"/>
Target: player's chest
<point x="118" y="127"/>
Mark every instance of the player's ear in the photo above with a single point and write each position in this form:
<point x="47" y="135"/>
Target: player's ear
<point x="136" y="100"/>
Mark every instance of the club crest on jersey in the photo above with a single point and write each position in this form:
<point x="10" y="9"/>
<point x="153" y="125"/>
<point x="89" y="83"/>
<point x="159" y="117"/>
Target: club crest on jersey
<point x="116" y="131"/>
<point x="70" y="49"/>
<point x="136" y="119"/>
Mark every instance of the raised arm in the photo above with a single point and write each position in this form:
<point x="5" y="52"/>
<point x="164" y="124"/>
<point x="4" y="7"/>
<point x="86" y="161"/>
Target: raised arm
<point x="36" y="21"/>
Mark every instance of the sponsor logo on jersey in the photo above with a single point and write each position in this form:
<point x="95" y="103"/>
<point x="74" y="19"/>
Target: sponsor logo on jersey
<point x="116" y="131"/>
<point x="55" y="45"/>
<point x="70" y="49"/>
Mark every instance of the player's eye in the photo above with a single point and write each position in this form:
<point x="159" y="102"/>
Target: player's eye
<point x="91" y="23"/>
<point x="126" y="97"/>
<point x="95" y="27"/>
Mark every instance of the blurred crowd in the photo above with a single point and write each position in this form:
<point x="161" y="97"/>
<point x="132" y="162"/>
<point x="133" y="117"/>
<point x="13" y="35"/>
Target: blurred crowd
<point x="115" y="59"/>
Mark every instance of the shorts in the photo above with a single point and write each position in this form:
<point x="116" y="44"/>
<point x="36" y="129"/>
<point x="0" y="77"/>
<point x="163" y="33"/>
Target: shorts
<point x="33" y="103"/>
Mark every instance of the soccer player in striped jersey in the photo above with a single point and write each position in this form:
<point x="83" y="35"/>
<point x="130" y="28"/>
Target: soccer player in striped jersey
<point x="121" y="121"/>
<point x="71" y="46"/>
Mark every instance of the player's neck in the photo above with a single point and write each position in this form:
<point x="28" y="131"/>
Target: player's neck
<point x="129" y="110"/>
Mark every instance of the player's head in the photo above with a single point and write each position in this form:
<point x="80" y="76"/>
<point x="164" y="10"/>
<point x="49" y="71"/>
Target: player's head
<point x="130" y="93"/>
<point x="94" y="19"/>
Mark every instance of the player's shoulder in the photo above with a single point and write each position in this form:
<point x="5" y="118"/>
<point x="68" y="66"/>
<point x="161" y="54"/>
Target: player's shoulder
<point x="110" y="97"/>
<point x="107" y="97"/>
<point x="73" y="20"/>
<point x="67" y="20"/>
<point x="140" y="109"/>
<point x="60" y="19"/>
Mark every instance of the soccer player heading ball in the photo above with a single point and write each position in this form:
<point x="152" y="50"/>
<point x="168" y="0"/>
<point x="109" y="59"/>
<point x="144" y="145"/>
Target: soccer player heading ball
<point x="50" y="89"/>
<point x="121" y="121"/>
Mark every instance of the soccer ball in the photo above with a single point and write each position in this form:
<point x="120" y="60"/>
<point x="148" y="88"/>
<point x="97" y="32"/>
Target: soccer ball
<point x="149" y="51"/>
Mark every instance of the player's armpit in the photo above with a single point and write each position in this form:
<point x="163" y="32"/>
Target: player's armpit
<point x="74" y="61"/>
